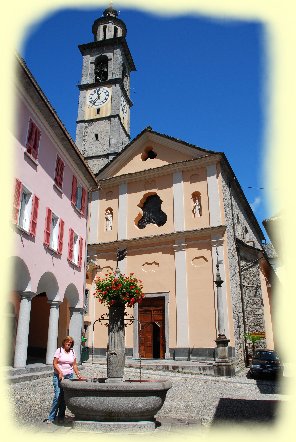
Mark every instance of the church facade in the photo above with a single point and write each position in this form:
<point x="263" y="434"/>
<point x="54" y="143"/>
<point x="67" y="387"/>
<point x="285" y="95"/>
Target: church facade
<point x="179" y="213"/>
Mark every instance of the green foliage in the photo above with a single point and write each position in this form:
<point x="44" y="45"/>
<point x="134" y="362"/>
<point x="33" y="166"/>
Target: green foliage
<point x="252" y="337"/>
<point x="118" y="288"/>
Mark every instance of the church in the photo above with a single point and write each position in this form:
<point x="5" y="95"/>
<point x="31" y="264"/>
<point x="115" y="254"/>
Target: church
<point x="178" y="217"/>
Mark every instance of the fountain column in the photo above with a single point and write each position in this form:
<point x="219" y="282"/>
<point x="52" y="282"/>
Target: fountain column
<point x="116" y="343"/>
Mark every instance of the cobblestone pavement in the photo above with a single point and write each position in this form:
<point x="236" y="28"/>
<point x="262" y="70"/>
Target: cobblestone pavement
<point x="194" y="401"/>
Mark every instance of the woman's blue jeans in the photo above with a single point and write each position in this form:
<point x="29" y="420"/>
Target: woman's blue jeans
<point x="58" y="403"/>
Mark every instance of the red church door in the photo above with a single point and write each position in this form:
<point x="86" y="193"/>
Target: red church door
<point x="152" y="328"/>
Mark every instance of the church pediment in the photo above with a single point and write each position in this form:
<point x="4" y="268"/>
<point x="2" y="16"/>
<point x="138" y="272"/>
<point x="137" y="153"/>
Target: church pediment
<point x="151" y="150"/>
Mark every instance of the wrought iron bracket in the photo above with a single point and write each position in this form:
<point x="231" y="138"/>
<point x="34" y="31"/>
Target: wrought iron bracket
<point x="128" y="320"/>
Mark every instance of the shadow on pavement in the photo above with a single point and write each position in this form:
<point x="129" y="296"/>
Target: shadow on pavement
<point x="244" y="410"/>
<point x="269" y="387"/>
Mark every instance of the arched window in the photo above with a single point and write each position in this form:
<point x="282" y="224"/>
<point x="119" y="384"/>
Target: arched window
<point x="101" y="68"/>
<point x="152" y="213"/>
<point x="148" y="153"/>
<point x="104" y="32"/>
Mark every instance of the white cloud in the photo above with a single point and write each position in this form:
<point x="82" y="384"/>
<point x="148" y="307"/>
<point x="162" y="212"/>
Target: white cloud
<point x="256" y="203"/>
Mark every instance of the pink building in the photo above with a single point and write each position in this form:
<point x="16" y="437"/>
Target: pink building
<point x="49" y="221"/>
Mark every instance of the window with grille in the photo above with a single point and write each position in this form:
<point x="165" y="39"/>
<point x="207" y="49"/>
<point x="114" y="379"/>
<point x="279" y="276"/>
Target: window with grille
<point x="33" y="140"/>
<point x="59" y="172"/>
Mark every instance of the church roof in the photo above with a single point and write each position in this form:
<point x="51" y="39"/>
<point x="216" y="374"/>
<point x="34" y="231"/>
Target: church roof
<point x="169" y="137"/>
<point x="149" y="131"/>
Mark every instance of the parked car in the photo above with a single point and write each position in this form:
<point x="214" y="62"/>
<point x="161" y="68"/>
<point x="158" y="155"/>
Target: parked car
<point x="266" y="363"/>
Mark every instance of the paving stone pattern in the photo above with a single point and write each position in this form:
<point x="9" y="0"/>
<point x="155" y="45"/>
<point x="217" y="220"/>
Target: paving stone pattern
<point x="194" y="401"/>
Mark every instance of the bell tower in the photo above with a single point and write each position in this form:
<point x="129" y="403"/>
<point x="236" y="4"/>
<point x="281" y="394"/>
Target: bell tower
<point x="103" y="123"/>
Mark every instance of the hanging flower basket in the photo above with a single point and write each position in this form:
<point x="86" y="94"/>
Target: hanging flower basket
<point x="119" y="288"/>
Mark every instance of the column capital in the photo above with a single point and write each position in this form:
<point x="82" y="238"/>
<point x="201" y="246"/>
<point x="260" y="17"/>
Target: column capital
<point x="76" y="309"/>
<point x="179" y="246"/>
<point x="216" y="241"/>
<point x="27" y="295"/>
<point x="54" y="303"/>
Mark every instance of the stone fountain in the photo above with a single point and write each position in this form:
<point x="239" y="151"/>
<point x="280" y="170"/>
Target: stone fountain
<point x="113" y="403"/>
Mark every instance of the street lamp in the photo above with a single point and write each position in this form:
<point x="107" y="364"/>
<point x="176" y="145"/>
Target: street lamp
<point x="221" y="319"/>
<point x="223" y="367"/>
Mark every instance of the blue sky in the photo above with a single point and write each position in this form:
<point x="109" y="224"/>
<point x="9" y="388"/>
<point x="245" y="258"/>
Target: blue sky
<point x="197" y="79"/>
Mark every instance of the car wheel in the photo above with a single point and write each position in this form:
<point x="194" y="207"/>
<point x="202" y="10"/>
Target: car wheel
<point x="249" y="375"/>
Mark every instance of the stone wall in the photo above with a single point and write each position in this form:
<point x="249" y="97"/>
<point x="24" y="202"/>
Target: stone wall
<point x="246" y="303"/>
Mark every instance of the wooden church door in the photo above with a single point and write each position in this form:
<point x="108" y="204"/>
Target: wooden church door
<point x="152" y="328"/>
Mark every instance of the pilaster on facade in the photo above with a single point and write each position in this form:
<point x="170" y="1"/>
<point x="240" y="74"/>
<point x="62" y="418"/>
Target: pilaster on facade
<point x="122" y="265"/>
<point x="181" y="294"/>
<point x="213" y="195"/>
<point x="94" y="211"/>
<point x="178" y="192"/>
<point x="122" y="211"/>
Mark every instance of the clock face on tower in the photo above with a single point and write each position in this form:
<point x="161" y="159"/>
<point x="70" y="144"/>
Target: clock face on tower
<point x="98" y="97"/>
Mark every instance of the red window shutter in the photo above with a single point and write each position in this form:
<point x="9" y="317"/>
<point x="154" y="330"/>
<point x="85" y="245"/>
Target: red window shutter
<point x="80" y="251"/>
<point x="59" y="172"/>
<point x="34" y="215"/>
<point x="74" y="190"/>
<point x="16" y="201"/>
<point x="47" y="227"/>
<point x="61" y="236"/>
<point x="70" y="244"/>
<point x="83" y="201"/>
<point x="36" y="143"/>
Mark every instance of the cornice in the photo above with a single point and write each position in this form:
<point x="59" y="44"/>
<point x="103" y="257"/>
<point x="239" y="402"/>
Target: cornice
<point x="184" y="236"/>
<point x="158" y="171"/>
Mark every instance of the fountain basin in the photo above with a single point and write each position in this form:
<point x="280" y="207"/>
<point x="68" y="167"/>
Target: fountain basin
<point x="127" y="401"/>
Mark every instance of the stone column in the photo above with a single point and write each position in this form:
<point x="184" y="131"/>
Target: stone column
<point x="21" y="345"/>
<point x="75" y="329"/>
<point x="116" y="344"/>
<point x="53" y="330"/>
<point x="181" y="295"/>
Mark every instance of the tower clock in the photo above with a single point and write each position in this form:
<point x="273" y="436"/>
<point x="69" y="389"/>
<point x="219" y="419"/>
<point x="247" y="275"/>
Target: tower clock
<point x="103" y="123"/>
